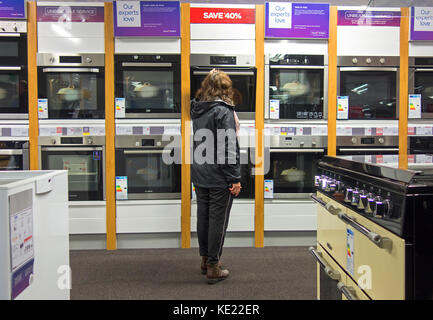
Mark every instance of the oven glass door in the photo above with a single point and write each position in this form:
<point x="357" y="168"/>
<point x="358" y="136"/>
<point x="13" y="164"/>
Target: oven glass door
<point x="148" y="176"/>
<point x="13" y="90"/>
<point x="11" y="160"/>
<point x="85" y="170"/>
<point x="424" y="87"/>
<point x="420" y="145"/>
<point x="13" y="50"/>
<point x="293" y="171"/>
<point x="243" y="82"/>
<point x="299" y="92"/>
<point x="247" y="178"/>
<point x="372" y="94"/>
<point x="73" y="93"/>
<point x="150" y="89"/>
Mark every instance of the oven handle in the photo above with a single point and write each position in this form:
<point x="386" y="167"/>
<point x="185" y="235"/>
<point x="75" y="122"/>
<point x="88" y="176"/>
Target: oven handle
<point x="145" y="151"/>
<point x="4" y="68"/>
<point x="297" y="150"/>
<point x="147" y="64"/>
<point x="333" y="274"/>
<point x="329" y="207"/>
<point x="367" y="69"/>
<point x="92" y="70"/>
<point x="10" y="34"/>
<point x="378" y="240"/>
<point x="367" y="149"/>
<point x="11" y="152"/>
<point x="71" y="149"/>
<point x="424" y="70"/>
<point x="295" y="67"/>
<point x="348" y="292"/>
<point x="230" y="73"/>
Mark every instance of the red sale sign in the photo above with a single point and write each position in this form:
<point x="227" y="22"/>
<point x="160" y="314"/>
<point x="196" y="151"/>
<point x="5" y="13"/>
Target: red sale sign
<point x="222" y="15"/>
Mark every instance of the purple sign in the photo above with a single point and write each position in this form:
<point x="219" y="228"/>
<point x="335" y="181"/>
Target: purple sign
<point x="21" y="279"/>
<point x="12" y="9"/>
<point x="368" y="18"/>
<point x="421" y="23"/>
<point x="70" y="14"/>
<point x="297" y="20"/>
<point x="146" y="19"/>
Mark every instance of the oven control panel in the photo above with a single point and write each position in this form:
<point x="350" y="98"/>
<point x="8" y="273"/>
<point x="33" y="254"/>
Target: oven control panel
<point x="13" y="26"/>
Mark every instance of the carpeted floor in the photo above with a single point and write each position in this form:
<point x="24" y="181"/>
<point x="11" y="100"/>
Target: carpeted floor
<point x="272" y="273"/>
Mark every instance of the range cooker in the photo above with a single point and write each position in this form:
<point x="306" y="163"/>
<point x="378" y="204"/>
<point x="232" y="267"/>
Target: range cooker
<point x="374" y="231"/>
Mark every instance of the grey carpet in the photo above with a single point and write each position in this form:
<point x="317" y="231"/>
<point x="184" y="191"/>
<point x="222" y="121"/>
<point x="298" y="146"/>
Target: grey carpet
<point x="275" y="273"/>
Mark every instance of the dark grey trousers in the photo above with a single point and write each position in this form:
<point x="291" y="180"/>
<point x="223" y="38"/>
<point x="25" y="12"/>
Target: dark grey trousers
<point x="213" y="211"/>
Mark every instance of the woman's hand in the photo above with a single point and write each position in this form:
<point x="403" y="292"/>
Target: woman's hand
<point x="235" y="189"/>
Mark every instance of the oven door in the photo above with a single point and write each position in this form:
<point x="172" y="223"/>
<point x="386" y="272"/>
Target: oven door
<point x="148" y="176"/>
<point x="372" y="92"/>
<point x="358" y="154"/>
<point x="420" y="145"/>
<point x="299" y="92"/>
<point x="247" y="178"/>
<point x="421" y="82"/>
<point x="85" y="170"/>
<point x="244" y="86"/>
<point x="11" y="160"/>
<point x="13" y="49"/>
<point x="73" y="93"/>
<point x="293" y="172"/>
<point x="150" y="89"/>
<point x="13" y="92"/>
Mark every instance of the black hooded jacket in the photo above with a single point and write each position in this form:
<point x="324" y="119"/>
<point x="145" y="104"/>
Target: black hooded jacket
<point x="216" y="158"/>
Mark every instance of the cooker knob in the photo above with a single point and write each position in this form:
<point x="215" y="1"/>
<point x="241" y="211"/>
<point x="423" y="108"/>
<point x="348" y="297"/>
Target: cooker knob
<point x="15" y="28"/>
<point x="387" y="208"/>
<point x="368" y="60"/>
<point x="354" y="140"/>
<point x="355" y="197"/>
<point x="381" y="140"/>
<point x="362" y="200"/>
<point x="53" y="141"/>
<point x="355" y="60"/>
<point x="348" y="194"/>
<point x="382" y="60"/>
<point x="301" y="143"/>
<point x="371" y="204"/>
<point x="89" y="141"/>
<point x="52" y="60"/>
<point x="135" y="57"/>
<point x="378" y="207"/>
<point x="89" y="60"/>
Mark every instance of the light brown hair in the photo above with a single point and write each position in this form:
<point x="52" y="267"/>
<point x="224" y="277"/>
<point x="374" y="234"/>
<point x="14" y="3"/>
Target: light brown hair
<point x="216" y="85"/>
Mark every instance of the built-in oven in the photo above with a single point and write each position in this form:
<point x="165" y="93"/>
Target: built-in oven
<point x="13" y="70"/>
<point x="148" y="85"/>
<point x="149" y="166"/>
<point x="14" y="155"/>
<point x="293" y="164"/>
<point x="421" y="82"/>
<point x="375" y="148"/>
<point x="72" y="86"/>
<point x="420" y="145"/>
<point x="83" y="157"/>
<point x="371" y="85"/>
<point x="242" y="72"/>
<point x="296" y="87"/>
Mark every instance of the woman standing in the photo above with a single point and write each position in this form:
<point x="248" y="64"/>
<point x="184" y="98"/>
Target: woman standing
<point x="215" y="170"/>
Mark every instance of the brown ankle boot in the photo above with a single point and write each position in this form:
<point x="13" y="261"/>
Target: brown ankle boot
<point x="203" y="265"/>
<point x="215" y="273"/>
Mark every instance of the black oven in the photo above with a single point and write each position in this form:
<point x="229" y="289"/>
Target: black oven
<point x="420" y="145"/>
<point x="296" y="87"/>
<point x="13" y="70"/>
<point x="293" y="164"/>
<point x="73" y="85"/>
<point x="14" y="155"/>
<point x="247" y="156"/>
<point x="421" y="82"/>
<point x="83" y="157"/>
<point x="241" y="70"/>
<point x="371" y="85"/>
<point x="150" y="165"/>
<point x="149" y="84"/>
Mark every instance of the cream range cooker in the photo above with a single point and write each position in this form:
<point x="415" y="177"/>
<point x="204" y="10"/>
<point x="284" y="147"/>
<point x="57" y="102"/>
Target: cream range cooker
<point x="374" y="229"/>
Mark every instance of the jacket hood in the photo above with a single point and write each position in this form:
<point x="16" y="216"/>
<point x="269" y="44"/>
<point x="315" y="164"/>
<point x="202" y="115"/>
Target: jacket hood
<point x="198" y="108"/>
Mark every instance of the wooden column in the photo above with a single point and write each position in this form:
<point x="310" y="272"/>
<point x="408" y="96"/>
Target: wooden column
<point x="32" y="49"/>
<point x="332" y="82"/>
<point x="110" y="128"/>
<point x="260" y="124"/>
<point x="403" y="89"/>
<point x="185" y="127"/>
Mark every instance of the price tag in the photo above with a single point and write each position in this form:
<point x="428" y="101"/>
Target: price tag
<point x="120" y="107"/>
<point x="43" y="108"/>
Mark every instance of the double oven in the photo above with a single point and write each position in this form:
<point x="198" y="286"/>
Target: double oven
<point x="296" y="87"/>
<point x="83" y="157"/>
<point x="241" y="70"/>
<point x="148" y="167"/>
<point x="71" y="86"/>
<point x="421" y="83"/>
<point x="13" y="70"/>
<point x="370" y="84"/>
<point x="14" y="155"/>
<point x="147" y="85"/>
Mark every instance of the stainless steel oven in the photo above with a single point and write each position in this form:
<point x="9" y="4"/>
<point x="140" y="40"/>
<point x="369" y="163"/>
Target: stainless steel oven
<point x="13" y="70"/>
<point x="358" y="147"/>
<point x="150" y="84"/>
<point x="150" y="165"/>
<point x="73" y="84"/>
<point x="293" y="164"/>
<point x="296" y="86"/>
<point x="83" y="157"/>
<point x="14" y="155"/>
<point x="421" y="82"/>
<point x="371" y="84"/>
<point x="241" y="70"/>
